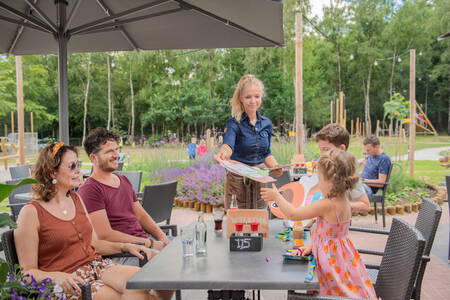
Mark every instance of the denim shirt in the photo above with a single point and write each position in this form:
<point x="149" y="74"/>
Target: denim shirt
<point x="250" y="144"/>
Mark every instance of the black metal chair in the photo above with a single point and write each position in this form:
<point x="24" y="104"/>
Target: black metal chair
<point x="135" y="178"/>
<point x="427" y="223"/>
<point x="158" y="203"/>
<point x="379" y="198"/>
<point x="17" y="204"/>
<point x="20" y="172"/>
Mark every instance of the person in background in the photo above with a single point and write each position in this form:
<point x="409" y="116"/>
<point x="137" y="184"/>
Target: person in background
<point x="340" y="270"/>
<point x="192" y="147"/>
<point x="334" y="136"/>
<point x="55" y="239"/>
<point x="377" y="166"/>
<point x="201" y="149"/>
<point x="247" y="140"/>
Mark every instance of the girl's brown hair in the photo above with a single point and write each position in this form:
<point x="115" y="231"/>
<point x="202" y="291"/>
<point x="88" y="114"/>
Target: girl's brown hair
<point x="338" y="167"/>
<point x="237" y="108"/>
<point x="46" y="166"/>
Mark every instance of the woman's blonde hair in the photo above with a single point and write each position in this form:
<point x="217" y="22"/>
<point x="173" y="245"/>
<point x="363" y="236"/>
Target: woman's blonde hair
<point x="237" y="109"/>
<point x="46" y="166"/>
<point x="338" y="167"/>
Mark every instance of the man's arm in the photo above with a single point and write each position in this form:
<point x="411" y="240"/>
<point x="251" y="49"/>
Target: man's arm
<point x="102" y="227"/>
<point x="148" y="224"/>
<point x="373" y="182"/>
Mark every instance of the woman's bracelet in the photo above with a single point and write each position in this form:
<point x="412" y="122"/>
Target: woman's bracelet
<point x="151" y="243"/>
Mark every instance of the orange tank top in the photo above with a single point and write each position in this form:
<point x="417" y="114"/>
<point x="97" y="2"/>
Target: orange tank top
<point x="64" y="246"/>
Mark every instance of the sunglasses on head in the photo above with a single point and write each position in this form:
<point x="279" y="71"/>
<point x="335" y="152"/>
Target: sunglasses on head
<point x="75" y="165"/>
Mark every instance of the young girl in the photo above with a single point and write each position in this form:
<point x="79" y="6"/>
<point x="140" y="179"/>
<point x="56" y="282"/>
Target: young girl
<point x="339" y="268"/>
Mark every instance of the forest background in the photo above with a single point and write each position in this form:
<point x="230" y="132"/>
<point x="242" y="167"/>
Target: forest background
<point x="359" y="47"/>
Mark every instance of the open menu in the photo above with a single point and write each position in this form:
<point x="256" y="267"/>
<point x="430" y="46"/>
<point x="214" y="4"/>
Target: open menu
<point x="242" y="169"/>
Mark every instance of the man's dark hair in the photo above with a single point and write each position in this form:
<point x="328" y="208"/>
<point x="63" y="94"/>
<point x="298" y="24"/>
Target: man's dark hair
<point x="334" y="134"/>
<point x="372" y="140"/>
<point x="98" y="137"/>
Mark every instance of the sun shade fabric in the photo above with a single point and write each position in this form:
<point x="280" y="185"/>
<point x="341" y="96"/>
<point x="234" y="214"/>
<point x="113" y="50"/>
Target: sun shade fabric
<point x="191" y="24"/>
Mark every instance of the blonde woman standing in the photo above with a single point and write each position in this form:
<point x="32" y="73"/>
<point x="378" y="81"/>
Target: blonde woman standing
<point x="247" y="140"/>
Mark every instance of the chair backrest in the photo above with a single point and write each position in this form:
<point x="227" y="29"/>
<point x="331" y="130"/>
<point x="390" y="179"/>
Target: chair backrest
<point x="20" y="172"/>
<point x="26" y="188"/>
<point x="427" y="222"/>
<point x="120" y="166"/>
<point x="158" y="200"/>
<point x="384" y="188"/>
<point x="400" y="263"/>
<point x="135" y="177"/>
<point x="9" y="248"/>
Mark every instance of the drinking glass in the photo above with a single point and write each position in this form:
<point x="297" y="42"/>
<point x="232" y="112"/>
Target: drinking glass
<point x="187" y="240"/>
<point x="218" y="213"/>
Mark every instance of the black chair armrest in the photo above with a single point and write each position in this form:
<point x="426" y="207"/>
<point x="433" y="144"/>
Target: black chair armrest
<point x="85" y="291"/>
<point x="372" y="266"/>
<point x="16" y="204"/>
<point x="139" y="195"/>
<point x="376" y="183"/>
<point x="369" y="230"/>
<point x="425" y="258"/>
<point x="170" y="229"/>
<point x="371" y="252"/>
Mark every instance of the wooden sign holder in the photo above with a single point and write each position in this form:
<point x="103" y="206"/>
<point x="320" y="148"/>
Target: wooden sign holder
<point x="248" y="216"/>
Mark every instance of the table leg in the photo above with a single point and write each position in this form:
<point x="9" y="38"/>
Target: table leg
<point x="178" y="294"/>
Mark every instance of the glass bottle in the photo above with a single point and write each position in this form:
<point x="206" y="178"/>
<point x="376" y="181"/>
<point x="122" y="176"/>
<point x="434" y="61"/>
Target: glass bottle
<point x="200" y="235"/>
<point x="233" y="203"/>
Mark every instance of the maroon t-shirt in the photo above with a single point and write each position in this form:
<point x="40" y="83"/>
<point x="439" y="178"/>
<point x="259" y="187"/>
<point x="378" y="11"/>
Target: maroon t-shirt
<point x="118" y="203"/>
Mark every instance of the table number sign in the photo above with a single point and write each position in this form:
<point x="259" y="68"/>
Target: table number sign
<point x="246" y="243"/>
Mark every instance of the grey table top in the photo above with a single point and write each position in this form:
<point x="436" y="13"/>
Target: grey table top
<point x="224" y="270"/>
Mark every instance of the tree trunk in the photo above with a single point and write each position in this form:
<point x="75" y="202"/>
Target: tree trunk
<point x="86" y="93"/>
<point x="113" y="123"/>
<point x="392" y="74"/>
<point x="109" y="93"/>
<point x="195" y="128"/>
<point x="132" y="103"/>
<point x="163" y="129"/>
<point x="153" y="128"/>
<point x="367" y="104"/>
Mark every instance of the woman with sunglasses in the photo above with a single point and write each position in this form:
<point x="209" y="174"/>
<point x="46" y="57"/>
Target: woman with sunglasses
<point x="55" y="239"/>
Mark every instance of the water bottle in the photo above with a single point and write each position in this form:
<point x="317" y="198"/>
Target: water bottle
<point x="200" y="235"/>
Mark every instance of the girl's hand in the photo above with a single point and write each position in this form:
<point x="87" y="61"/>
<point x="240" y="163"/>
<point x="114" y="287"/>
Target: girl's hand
<point x="306" y="250"/>
<point x="68" y="282"/>
<point x="137" y="249"/>
<point x="270" y="194"/>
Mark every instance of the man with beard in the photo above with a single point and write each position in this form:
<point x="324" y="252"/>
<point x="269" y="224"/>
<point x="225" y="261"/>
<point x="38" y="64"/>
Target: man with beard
<point x="113" y="207"/>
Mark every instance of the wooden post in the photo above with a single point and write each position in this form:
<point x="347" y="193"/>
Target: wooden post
<point x="12" y="122"/>
<point x="337" y="112"/>
<point x="6" y="130"/>
<point x="341" y="108"/>
<point x="31" y="122"/>
<point x="5" y="153"/>
<point x="20" y="117"/>
<point x="345" y="119"/>
<point x="412" y="108"/>
<point x="351" y="132"/>
<point x="357" y="126"/>
<point x="299" y="82"/>
<point x="331" y="111"/>
<point x="364" y="132"/>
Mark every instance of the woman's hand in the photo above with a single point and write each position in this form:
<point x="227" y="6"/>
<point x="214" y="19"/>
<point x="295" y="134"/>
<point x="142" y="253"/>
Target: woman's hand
<point x="224" y="154"/>
<point x="68" y="282"/>
<point x="277" y="172"/>
<point x="270" y="194"/>
<point x="137" y="249"/>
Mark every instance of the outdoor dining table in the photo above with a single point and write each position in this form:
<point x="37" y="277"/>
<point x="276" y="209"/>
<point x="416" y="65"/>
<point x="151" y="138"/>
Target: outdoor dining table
<point x="222" y="269"/>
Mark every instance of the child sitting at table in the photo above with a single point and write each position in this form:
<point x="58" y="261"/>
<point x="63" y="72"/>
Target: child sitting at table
<point x="340" y="270"/>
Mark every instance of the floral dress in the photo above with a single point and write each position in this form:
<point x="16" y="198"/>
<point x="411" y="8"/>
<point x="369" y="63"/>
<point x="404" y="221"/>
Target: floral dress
<point x="339" y="268"/>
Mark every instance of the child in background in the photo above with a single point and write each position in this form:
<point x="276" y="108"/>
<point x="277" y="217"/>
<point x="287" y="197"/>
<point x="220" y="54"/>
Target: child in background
<point x="192" y="147"/>
<point x="339" y="268"/>
<point x="201" y="149"/>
